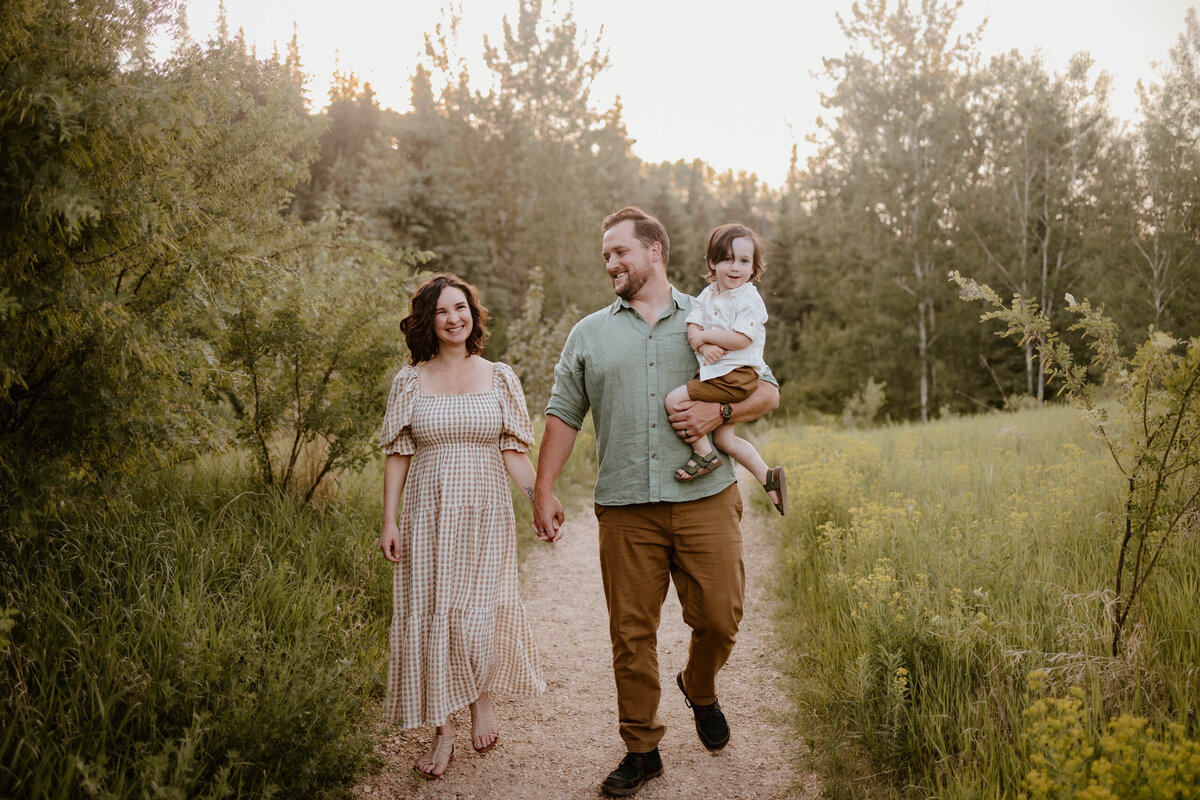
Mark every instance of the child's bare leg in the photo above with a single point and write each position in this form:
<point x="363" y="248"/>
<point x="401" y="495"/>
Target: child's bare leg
<point x="744" y="453"/>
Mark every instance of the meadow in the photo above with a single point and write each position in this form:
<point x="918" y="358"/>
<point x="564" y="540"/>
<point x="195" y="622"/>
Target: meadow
<point x="203" y="636"/>
<point x="946" y="607"/>
<point x="947" y="600"/>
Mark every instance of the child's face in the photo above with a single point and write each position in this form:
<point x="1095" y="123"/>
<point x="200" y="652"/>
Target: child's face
<point x="733" y="271"/>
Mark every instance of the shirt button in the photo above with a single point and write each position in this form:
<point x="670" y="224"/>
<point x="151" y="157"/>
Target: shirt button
<point x="653" y="424"/>
<point x="652" y="363"/>
<point x="654" y="455"/>
<point x="652" y="394"/>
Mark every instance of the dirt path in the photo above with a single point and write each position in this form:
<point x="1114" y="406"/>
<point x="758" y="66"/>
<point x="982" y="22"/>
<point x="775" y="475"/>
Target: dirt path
<point x="562" y="744"/>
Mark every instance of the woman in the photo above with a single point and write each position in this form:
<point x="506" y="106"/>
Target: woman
<point x="455" y="424"/>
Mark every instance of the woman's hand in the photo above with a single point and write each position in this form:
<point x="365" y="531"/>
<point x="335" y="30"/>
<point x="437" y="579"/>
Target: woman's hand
<point x="390" y="544"/>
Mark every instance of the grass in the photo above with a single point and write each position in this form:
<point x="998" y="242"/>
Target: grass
<point x="208" y="639"/>
<point x="204" y="637"/>
<point x="928" y="571"/>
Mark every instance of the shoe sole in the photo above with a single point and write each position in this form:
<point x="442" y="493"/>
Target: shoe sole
<point x="613" y="792"/>
<point x="713" y="746"/>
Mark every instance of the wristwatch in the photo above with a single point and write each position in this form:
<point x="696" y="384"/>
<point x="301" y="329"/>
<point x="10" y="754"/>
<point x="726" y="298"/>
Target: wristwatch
<point x="726" y="412"/>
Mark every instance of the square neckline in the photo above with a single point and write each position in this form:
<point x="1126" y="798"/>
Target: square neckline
<point x="491" y="389"/>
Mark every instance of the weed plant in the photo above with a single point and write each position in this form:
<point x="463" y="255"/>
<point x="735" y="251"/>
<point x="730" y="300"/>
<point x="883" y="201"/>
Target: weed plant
<point x="206" y="639"/>
<point x="928" y="571"/>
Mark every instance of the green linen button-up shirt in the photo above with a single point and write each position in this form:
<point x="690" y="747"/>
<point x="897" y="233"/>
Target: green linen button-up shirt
<point x="622" y="368"/>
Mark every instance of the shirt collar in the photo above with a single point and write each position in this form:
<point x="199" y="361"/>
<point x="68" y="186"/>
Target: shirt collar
<point x="681" y="300"/>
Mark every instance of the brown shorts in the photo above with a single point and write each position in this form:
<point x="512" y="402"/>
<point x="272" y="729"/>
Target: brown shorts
<point x="732" y="387"/>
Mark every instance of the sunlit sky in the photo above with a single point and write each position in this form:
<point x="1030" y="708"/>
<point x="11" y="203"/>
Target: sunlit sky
<point x="674" y="61"/>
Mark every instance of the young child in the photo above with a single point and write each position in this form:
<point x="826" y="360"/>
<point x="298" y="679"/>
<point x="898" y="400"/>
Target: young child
<point x="725" y="328"/>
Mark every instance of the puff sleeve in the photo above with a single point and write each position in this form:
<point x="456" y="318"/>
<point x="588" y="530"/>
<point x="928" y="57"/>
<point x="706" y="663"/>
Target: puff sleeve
<point x="396" y="435"/>
<point x="517" y="433"/>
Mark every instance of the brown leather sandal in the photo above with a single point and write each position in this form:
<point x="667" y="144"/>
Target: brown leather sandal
<point x="438" y="757"/>
<point x="698" y="465"/>
<point x="483" y="723"/>
<point x="776" y="482"/>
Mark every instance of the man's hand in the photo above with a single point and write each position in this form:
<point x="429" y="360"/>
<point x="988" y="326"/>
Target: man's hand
<point x="695" y="419"/>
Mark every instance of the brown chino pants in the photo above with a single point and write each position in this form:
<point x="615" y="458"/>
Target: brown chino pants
<point x="698" y="545"/>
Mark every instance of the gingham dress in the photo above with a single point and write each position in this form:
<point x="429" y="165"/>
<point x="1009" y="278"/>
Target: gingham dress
<point x="458" y="625"/>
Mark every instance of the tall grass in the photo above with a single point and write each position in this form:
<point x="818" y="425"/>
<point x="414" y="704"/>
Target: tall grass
<point x="929" y="571"/>
<point x="208" y="639"/>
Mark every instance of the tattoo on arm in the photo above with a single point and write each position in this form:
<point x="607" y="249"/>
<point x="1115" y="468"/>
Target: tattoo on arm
<point x="529" y="493"/>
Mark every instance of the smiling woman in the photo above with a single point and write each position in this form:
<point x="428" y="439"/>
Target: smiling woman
<point x="455" y="425"/>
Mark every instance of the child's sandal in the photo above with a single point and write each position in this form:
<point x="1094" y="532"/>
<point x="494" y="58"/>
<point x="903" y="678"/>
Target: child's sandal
<point x="699" y="465"/>
<point x="776" y="482"/>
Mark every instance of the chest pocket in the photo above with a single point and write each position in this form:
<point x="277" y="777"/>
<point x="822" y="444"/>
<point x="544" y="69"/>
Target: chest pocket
<point x="680" y="359"/>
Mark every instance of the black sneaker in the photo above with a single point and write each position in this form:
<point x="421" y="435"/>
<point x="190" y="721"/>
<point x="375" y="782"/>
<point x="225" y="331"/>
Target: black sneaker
<point x="710" y="720"/>
<point x="635" y="770"/>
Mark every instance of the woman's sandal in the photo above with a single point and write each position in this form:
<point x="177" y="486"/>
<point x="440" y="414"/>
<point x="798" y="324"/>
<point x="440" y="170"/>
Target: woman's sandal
<point x="776" y="482"/>
<point x="483" y="723"/>
<point x="438" y="757"/>
<point x="699" y="465"/>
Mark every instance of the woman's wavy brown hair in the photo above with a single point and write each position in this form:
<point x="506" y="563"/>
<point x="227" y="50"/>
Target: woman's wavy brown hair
<point x="417" y="327"/>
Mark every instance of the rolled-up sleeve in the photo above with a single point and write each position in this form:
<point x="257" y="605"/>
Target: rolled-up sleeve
<point x="568" y="398"/>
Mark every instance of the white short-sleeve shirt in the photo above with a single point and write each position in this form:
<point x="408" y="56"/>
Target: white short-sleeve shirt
<point x="741" y="310"/>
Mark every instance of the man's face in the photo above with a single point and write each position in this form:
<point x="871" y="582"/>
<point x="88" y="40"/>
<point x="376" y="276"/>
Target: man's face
<point x="628" y="262"/>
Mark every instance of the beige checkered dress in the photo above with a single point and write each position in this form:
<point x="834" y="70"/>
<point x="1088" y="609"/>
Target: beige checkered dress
<point x="458" y="626"/>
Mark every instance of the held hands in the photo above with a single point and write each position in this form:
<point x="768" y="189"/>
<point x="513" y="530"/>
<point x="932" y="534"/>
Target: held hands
<point x="695" y="419"/>
<point x="547" y="516"/>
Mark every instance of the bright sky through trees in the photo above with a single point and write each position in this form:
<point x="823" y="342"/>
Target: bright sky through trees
<point x="676" y="64"/>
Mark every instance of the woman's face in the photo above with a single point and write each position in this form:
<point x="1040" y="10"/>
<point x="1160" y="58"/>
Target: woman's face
<point x="452" y="321"/>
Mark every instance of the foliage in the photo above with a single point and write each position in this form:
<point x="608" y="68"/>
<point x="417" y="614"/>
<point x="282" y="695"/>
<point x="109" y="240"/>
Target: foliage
<point x="205" y="640"/>
<point x="1164" y="263"/>
<point x="311" y="346"/>
<point x="927" y="570"/>
<point x="1154" y="436"/>
<point x="861" y="410"/>
<point x="894" y="155"/>
<point x="535" y="342"/>
<point x="134" y="195"/>
<point x="1043" y="155"/>
<point x="1073" y="760"/>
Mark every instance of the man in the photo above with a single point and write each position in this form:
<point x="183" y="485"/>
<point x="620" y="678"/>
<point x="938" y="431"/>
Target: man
<point x="620" y="362"/>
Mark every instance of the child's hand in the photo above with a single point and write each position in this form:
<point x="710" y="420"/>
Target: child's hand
<point x="711" y="353"/>
<point x="695" y="336"/>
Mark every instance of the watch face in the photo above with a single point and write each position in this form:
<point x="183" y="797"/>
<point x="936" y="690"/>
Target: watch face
<point x="726" y="410"/>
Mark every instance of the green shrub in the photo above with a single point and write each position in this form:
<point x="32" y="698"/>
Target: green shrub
<point x="204" y="643"/>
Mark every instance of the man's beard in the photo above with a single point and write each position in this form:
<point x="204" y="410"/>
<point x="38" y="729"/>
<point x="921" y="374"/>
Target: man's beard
<point x="633" y="284"/>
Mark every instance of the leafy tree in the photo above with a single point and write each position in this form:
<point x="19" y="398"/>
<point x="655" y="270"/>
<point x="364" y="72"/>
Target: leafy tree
<point x="133" y="196"/>
<point x="897" y="151"/>
<point x="1028" y="207"/>
<point x="535" y="342"/>
<point x="530" y="149"/>
<point x="1166" y="232"/>
<point x="310" y="346"/>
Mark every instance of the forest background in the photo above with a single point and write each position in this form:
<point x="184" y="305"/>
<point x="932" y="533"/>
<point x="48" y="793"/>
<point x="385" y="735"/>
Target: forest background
<point x="197" y="265"/>
<point x="171" y="224"/>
